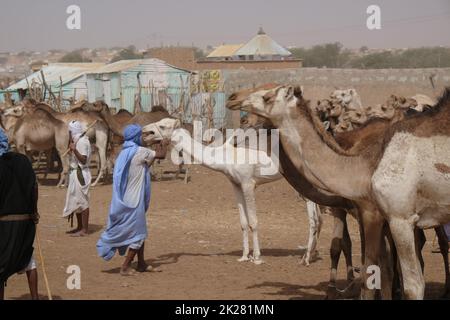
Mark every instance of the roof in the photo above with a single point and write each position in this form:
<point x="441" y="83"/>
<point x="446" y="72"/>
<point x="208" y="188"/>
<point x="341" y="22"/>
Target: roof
<point x="226" y="50"/>
<point x="155" y="65"/>
<point x="262" y="44"/>
<point x="53" y="72"/>
<point x="118" y="66"/>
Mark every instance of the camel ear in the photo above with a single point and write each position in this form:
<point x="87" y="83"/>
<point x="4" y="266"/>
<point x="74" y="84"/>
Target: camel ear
<point x="326" y="125"/>
<point x="269" y="96"/>
<point x="289" y="93"/>
<point x="298" y="92"/>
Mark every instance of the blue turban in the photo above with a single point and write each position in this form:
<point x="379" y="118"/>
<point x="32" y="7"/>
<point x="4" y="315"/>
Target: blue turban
<point x="4" y="145"/>
<point x="133" y="132"/>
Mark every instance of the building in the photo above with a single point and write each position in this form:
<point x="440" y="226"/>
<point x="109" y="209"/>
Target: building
<point x="261" y="52"/>
<point x="68" y="78"/>
<point x="180" y="57"/>
<point x="117" y="83"/>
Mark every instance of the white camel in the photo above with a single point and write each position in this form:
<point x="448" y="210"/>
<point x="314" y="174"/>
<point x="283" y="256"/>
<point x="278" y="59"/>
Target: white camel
<point x="243" y="177"/>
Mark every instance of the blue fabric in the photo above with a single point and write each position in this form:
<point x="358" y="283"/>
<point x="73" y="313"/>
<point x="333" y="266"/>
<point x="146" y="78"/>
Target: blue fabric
<point x="133" y="132"/>
<point x="126" y="225"/>
<point x="4" y="145"/>
<point x="447" y="231"/>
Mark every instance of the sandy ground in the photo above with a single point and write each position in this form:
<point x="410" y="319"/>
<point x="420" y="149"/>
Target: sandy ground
<point x="195" y="239"/>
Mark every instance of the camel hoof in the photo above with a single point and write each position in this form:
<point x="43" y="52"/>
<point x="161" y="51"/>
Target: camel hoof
<point x="304" y="261"/>
<point x="258" y="261"/>
<point x="243" y="259"/>
<point x="332" y="293"/>
<point x="353" y="290"/>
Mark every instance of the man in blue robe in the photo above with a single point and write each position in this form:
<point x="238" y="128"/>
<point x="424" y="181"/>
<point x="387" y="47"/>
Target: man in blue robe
<point x="127" y="223"/>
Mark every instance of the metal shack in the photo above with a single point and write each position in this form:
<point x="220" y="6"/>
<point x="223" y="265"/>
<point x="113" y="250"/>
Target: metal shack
<point x="69" y="79"/>
<point x="117" y="84"/>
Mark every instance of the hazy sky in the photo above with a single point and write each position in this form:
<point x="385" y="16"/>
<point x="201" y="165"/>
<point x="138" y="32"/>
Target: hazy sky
<point x="41" y="25"/>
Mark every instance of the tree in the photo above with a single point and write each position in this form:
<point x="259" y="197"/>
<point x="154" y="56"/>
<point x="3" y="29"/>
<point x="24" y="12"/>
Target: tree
<point x="73" y="57"/>
<point x="330" y="55"/>
<point x="127" y="54"/>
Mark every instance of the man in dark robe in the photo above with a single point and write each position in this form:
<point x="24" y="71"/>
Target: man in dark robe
<point x="18" y="217"/>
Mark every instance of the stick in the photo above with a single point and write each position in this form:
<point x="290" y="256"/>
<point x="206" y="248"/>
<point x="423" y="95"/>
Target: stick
<point x="82" y="135"/>
<point x="41" y="257"/>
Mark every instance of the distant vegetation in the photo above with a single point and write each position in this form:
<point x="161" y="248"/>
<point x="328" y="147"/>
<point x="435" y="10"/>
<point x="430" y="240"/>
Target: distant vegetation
<point x="334" y="55"/>
<point x="73" y="57"/>
<point x="129" y="53"/>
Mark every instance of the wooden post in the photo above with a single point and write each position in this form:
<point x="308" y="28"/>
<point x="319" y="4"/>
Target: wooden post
<point x="59" y="104"/>
<point x="51" y="95"/>
<point x="137" y="100"/>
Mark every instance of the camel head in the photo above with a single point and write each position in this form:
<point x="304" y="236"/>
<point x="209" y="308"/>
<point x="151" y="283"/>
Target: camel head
<point x="251" y="120"/>
<point x="348" y="98"/>
<point x="422" y="102"/>
<point x="270" y="102"/>
<point x="356" y="117"/>
<point x="155" y="132"/>
<point x="381" y="111"/>
<point x="15" y="111"/>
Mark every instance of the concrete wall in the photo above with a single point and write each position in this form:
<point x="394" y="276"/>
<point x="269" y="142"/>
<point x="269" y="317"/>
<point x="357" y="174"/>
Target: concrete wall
<point x="248" y="65"/>
<point x="374" y="86"/>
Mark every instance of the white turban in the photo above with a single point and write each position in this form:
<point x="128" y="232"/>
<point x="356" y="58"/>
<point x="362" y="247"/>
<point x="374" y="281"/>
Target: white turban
<point x="75" y="128"/>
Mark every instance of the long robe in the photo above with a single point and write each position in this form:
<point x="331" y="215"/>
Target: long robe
<point x="77" y="197"/>
<point x="17" y="197"/>
<point x="127" y="222"/>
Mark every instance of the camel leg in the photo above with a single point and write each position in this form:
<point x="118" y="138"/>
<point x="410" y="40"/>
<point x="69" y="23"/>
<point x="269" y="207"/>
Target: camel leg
<point x="412" y="276"/>
<point x="250" y="204"/>
<point x="387" y="263"/>
<point x="443" y="246"/>
<point x="420" y="240"/>
<point x="186" y="175"/>
<point x="373" y="228"/>
<point x="315" y="225"/>
<point x="244" y="222"/>
<point x="102" y="146"/>
<point x="347" y="249"/>
<point x="335" y="250"/>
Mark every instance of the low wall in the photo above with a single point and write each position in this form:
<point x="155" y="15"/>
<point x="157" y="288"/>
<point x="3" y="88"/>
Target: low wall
<point x="374" y="86"/>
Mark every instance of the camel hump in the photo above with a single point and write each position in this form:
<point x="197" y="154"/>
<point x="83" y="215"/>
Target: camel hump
<point x="158" y="109"/>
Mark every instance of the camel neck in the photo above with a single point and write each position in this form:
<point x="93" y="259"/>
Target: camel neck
<point x="346" y="176"/>
<point x="204" y="155"/>
<point x="115" y="127"/>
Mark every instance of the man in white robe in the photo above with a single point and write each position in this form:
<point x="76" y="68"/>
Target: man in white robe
<point x="77" y="198"/>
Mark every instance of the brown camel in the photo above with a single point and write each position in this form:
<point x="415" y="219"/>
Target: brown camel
<point x="341" y="240"/>
<point x="39" y="131"/>
<point x="410" y="158"/>
<point x="98" y="133"/>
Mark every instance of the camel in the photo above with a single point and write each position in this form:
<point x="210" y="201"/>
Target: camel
<point x="39" y="131"/>
<point x="341" y="238"/>
<point x="119" y="122"/>
<point x="98" y="133"/>
<point x="372" y="177"/>
<point x="243" y="177"/>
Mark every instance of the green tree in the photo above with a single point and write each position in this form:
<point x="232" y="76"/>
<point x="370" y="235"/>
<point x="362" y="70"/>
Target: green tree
<point x="73" y="57"/>
<point x="127" y="54"/>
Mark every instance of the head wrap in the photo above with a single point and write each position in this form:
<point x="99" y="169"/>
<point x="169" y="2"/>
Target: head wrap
<point x="133" y="133"/>
<point x="4" y="145"/>
<point x="75" y="128"/>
